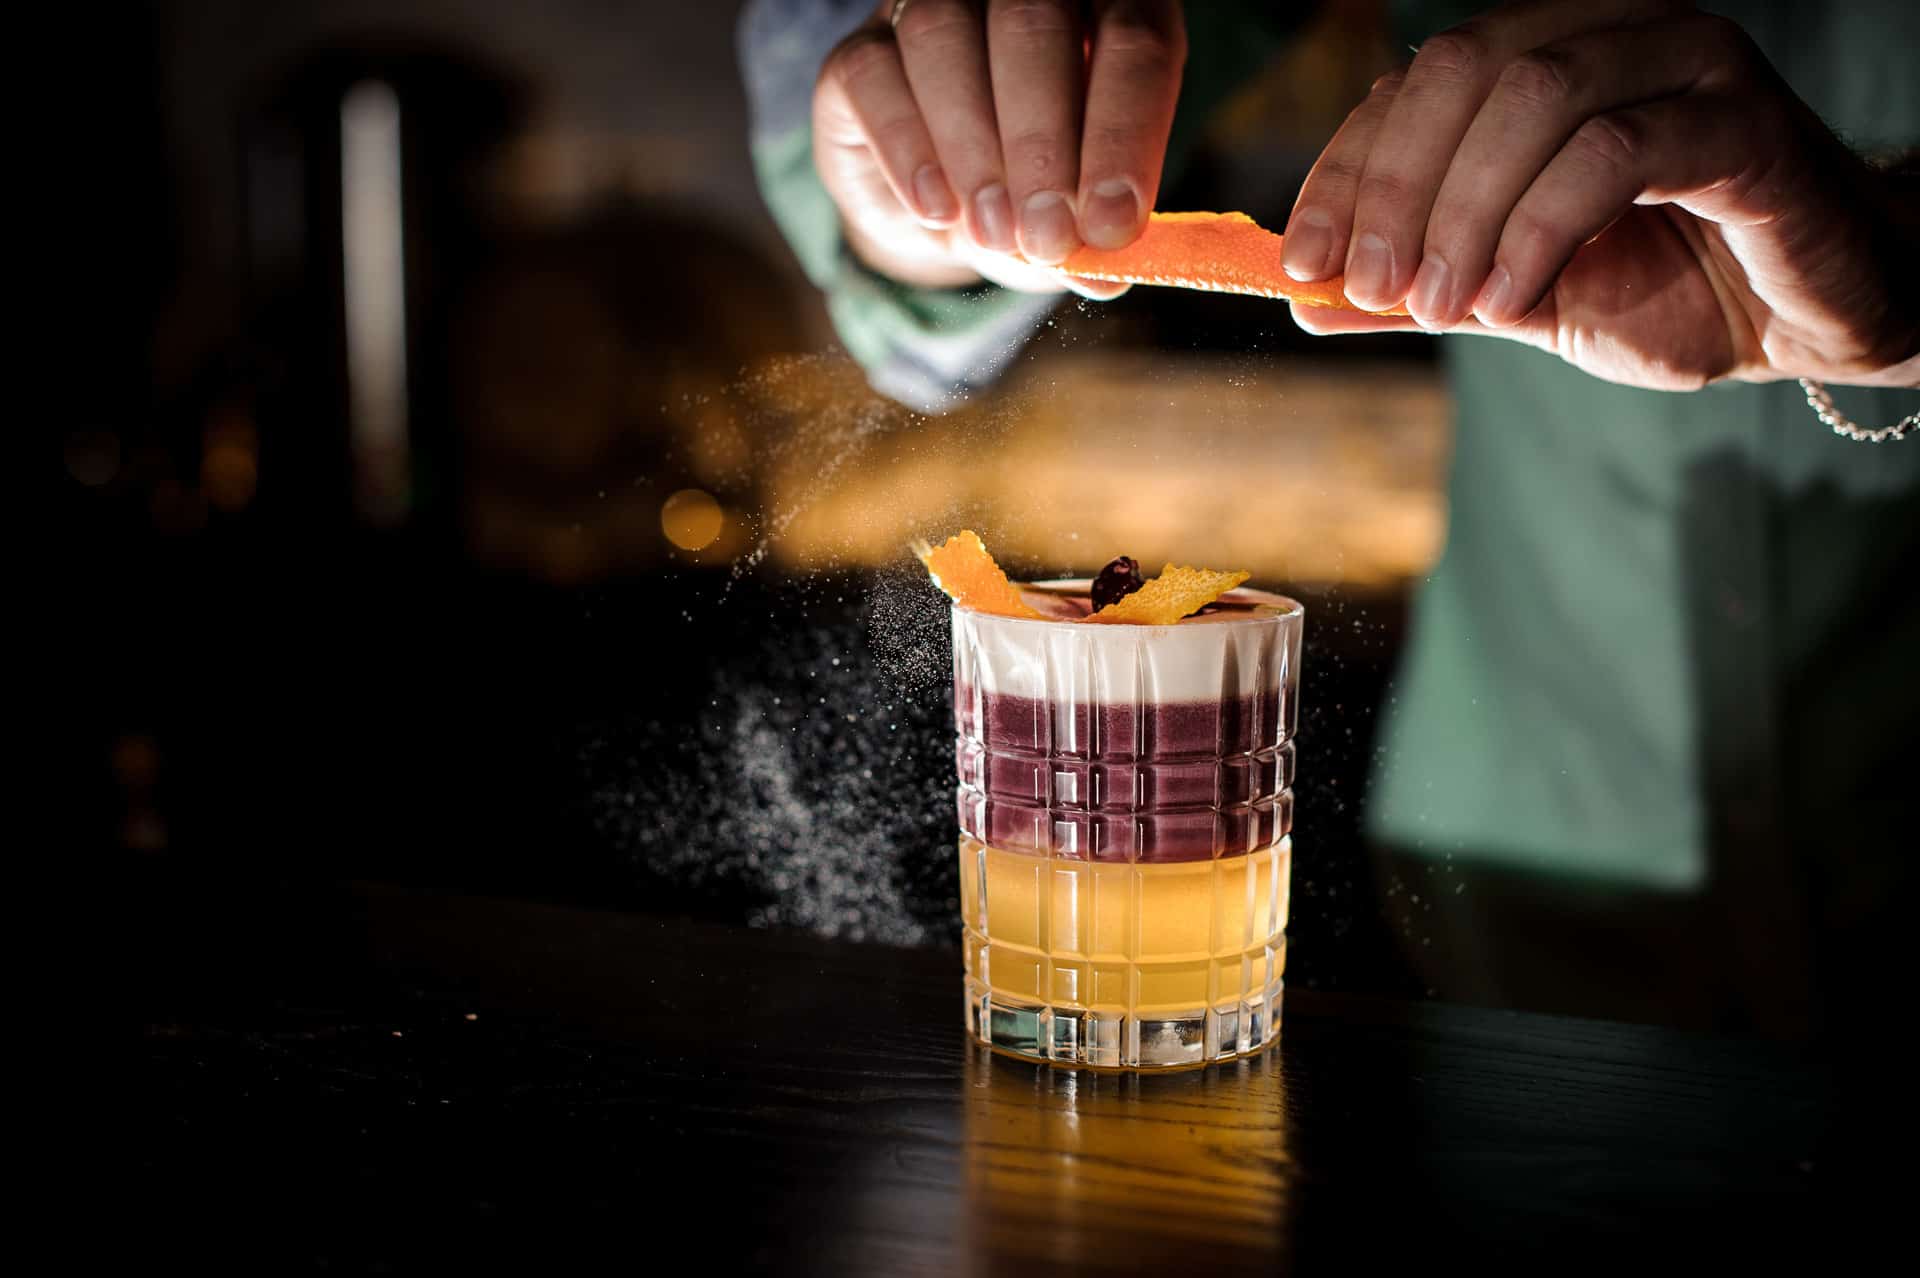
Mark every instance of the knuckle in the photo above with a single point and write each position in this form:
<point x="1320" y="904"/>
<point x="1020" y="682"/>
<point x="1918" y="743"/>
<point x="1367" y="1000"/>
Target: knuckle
<point x="1459" y="233"/>
<point x="1612" y="143"/>
<point x="1108" y="140"/>
<point x="971" y="161"/>
<point x="1526" y="240"/>
<point x="1031" y="17"/>
<point x="1143" y="36"/>
<point x="1389" y="84"/>
<point x="1541" y="81"/>
<point x="1754" y="182"/>
<point x="934" y="20"/>
<point x="1035" y="153"/>
<point x="1339" y="171"/>
<point x="897" y="138"/>
<point x="1456" y="55"/>
<point x="859" y="56"/>
<point x="1443" y="246"/>
<point x="1384" y="189"/>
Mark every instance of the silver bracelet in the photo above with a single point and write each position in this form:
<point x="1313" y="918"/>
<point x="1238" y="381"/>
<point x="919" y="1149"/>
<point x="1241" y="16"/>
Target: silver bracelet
<point x="1823" y="407"/>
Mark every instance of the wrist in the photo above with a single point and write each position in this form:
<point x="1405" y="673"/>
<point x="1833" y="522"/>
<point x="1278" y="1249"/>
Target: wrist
<point x="1903" y="258"/>
<point x="1883" y="193"/>
<point x="1897" y="178"/>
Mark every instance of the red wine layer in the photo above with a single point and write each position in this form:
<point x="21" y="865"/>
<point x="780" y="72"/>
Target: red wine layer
<point x="1120" y="731"/>
<point x="1168" y="781"/>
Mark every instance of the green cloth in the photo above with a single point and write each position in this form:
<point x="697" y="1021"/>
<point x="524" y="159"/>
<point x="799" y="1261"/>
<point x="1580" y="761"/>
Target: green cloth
<point x="1653" y="610"/>
<point x="1666" y="625"/>
<point x="892" y="330"/>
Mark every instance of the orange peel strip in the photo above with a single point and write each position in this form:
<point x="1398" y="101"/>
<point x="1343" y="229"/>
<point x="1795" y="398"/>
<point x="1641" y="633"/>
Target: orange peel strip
<point x="1221" y="252"/>
<point x="962" y="567"/>
<point x="1175" y="593"/>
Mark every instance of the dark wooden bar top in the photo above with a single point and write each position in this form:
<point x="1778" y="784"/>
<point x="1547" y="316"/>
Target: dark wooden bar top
<point x="366" y="1078"/>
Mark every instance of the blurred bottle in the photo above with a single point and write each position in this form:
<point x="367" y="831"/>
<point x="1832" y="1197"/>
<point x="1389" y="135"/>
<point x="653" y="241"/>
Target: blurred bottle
<point x="358" y="221"/>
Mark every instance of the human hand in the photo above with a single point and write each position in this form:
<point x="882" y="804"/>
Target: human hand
<point x="959" y="147"/>
<point x="1624" y="183"/>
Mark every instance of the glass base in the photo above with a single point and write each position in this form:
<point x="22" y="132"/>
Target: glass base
<point x="1114" y="1040"/>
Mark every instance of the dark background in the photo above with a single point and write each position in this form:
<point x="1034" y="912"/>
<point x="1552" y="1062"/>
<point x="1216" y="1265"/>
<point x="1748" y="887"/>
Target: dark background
<point x="518" y="684"/>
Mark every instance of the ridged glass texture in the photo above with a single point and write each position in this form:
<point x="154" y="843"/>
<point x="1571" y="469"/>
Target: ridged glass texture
<point x="1125" y="800"/>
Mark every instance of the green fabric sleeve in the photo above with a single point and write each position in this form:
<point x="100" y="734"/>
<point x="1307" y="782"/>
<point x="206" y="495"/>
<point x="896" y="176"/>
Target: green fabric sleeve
<point x="926" y="347"/>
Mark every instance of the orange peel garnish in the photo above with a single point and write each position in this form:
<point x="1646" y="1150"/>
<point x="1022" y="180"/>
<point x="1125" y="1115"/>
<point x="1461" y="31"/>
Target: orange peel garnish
<point x="1221" y="252"/>
<point x="962" y="567"/>
<point x="1177" y="592"/>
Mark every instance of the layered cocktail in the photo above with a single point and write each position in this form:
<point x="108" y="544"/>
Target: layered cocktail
<point x="1125" y="798"/>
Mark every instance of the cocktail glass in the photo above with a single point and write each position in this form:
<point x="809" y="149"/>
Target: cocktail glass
<point x="1125" y="801"/>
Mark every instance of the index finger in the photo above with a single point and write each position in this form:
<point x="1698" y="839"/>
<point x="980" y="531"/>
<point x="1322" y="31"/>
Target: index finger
<point x="1450" y="78"/>
<point x="1036" y="53"/>
<point x="1139" y="49"/>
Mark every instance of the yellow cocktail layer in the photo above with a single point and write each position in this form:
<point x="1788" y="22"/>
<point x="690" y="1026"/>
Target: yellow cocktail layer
<point x="1143" y="939"/>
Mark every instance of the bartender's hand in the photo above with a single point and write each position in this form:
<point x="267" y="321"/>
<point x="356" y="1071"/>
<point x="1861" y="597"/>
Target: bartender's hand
<point x="1625" y="183"/>
<point x="964" y="132"/>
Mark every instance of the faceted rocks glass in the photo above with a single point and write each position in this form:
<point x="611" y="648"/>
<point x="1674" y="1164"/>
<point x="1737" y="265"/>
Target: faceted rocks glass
<point x="1125" y="803"/>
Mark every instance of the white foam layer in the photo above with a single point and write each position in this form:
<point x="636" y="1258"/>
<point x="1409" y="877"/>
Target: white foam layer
<point x="1250" y="647"/>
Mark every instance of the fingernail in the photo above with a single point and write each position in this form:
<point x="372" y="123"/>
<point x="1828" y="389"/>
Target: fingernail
<point x="935" y="196"/>
<point x="1095" y="290"/>
<point x="1111" y="217"/>
<point x="1496" y="300"/>
<point x="1431" y="300"/>
<point x="993" y="218"/>
<point x="1370" y="272"/>
<point x="1308" y="245"/>
<point x="1047" y="232"/>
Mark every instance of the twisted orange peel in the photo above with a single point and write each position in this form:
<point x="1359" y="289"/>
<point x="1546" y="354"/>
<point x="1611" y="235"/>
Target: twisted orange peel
<point x="1220" y="252"/>
<point x="962" y="567"/>
<point x="1177" y="592"/>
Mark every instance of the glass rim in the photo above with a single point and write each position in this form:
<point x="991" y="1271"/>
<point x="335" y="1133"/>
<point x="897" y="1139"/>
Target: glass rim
<point x="1275" y="607"/>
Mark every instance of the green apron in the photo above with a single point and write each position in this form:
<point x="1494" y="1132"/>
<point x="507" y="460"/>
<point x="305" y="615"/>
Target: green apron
<point x="1661" y="619"/>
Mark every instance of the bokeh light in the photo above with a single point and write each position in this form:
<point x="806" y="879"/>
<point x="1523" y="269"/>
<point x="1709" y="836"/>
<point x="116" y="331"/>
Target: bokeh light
<point x="230" y="464"/>
<point x="1301" y="473"/>
<point x="691" y="519"/>
<point x="93" y="457"/>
